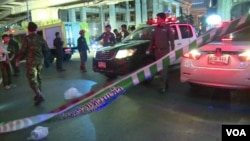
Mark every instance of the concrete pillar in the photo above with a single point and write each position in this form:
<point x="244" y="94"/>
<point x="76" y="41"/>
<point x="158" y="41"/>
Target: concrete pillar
<point x="127" y="13"/>
<point x="72" y="15"/>
<point x="160" y="6"/>
<point x="102" y="17"/>
<point x="224" y="9"/>
<point x="155" y="8"/>
<point x="138" y="17"/>
<point x="178" y="10"/>
<point x="170" y="9"/>
<point x="112" y="16"/>
<point x="144" y="11"/>
<point x="83" y="14"/>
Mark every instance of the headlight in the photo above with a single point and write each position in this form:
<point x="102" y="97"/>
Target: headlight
<point x="125" y="53"/>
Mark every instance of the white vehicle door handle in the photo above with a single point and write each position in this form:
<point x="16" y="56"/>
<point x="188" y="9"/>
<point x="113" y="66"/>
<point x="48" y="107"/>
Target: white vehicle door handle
<point x="178" y="43"/>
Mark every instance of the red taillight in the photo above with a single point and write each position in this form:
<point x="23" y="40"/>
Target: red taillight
<point x="226" y="39"/>
<point x="68" y="50"/>
<point x="245" y="56"/>
<point x="194" y="54"/>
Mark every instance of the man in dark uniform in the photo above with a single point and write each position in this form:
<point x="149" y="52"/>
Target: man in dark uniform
<point x="14" y="44"/>
<point x="108" y="37"/>
<point x="82" y="48"/>
<point x="33" y="46"/>
<point x="162" y="43"/>
<point x="124" y="32"/>
<point x="58" y="44"/>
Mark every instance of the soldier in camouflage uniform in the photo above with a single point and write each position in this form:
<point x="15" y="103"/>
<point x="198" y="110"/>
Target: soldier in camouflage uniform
<point x="162" y="43"/>
<point x="33" y="46"/>
<point x="108" y="37"/>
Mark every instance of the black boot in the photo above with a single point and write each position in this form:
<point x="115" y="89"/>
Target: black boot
<point x="38" y="98"/>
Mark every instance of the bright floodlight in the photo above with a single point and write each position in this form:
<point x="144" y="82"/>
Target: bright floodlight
<point x="214" y="20"/>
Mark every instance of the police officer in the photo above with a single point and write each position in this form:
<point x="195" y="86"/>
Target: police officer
<point x="58" y="44"/>
<point x="108" y="37"/>
<point x="33" y="46"/>
<point x="162" y="43"/>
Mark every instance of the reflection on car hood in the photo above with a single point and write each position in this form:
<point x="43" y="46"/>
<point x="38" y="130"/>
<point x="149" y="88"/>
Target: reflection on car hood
<point x="123" y="45"/>
<point x="226" y="46"/>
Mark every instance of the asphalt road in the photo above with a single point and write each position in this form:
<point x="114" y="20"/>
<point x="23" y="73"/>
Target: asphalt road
<point x="141" y="114"/>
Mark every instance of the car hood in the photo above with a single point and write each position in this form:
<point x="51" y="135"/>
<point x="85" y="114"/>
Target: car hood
<point x="226" y="46"/>
<point x="124" y="45"/>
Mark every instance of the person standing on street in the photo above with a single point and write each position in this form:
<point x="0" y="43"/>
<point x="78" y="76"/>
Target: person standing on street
<point x="162" y="43"/>
<point x="34" y="47"/>
<point x="108" y="37"/>
<point x="118" y="36"/>
<point x="14" y="44"/>
<point x="6" y="55"/>
<point x="82" y="48"/>
<point x="124" y="32"/>
<point x="58" y="44"/>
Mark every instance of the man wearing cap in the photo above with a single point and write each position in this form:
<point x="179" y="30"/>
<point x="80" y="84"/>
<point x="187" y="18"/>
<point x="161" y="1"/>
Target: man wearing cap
<point x="108" y="37"/>
<point x="33" y="46"/>
<point x="82" y="48"/>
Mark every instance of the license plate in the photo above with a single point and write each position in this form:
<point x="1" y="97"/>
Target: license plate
<point x="102" y="65"/>
<point x="218" y="60"/>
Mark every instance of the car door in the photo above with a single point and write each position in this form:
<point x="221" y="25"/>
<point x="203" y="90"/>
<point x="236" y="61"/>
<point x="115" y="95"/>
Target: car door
<point x="184" y="34"/>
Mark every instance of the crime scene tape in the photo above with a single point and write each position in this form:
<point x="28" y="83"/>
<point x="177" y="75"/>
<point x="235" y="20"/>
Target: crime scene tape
<point x="97" y="99"/>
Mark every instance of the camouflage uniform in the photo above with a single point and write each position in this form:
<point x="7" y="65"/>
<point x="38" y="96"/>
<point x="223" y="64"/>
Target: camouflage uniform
<point x="108" y="39"/>
<point x="162" y="43"/>
<point x="33" y="46"/>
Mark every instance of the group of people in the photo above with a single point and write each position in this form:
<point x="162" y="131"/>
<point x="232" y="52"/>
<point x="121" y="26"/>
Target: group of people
<point x="8" y="52"/>
<point x="109" y="38"/>
<point x="33" y="48"/>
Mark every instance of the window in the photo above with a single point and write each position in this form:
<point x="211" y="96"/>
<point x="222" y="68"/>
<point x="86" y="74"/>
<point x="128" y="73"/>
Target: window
<point x="186" y="31"/>
<point x="173" y="28"/>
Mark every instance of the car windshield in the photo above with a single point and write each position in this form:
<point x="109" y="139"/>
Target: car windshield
<point x="240" y="35"/>
<point x="143" y="33"/>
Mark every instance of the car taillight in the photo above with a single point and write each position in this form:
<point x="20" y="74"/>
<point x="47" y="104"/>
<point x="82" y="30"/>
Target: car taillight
<point x="226" y="39"/>
<point x="245" y="56"/>
<point x="68" y="50"/>
<point x="194" y="54"/>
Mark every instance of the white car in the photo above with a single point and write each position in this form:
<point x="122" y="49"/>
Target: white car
<point x="224" y="63"/>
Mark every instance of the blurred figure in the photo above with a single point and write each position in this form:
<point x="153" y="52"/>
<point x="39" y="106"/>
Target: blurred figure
<point x="124" y="32"/>
<point x="132" y="28"/>
<point x="15" y="46"/>
<point x="108" y="37"/>
<point x="118" y="36"/>
<point x="82" y="48"/>
<point x="34" y="47"/>
<point x="47" y="54"/>
<point x="58" y="44"/>
<point x="5" y="59"/>
<point x="162" y="43"/>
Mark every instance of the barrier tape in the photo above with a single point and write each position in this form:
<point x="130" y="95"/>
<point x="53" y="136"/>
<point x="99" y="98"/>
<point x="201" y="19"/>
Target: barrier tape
<point x="97" y="99"/>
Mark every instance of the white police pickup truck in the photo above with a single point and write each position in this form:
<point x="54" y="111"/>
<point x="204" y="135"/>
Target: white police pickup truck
<point x="131" y="53"/>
